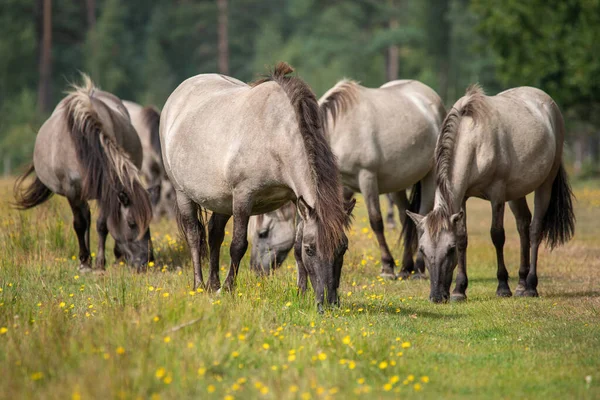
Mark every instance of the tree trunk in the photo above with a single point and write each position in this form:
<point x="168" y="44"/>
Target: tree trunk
<point x="391" y="58"/>
<point x="223" y="38"/>
<point x="45" y="66"/>
<point x="91" y="13"/>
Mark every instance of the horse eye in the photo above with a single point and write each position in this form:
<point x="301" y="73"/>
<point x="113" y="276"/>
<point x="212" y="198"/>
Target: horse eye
<point x="309" y="250"/>
<point x="451" y="248"/>
<point x="263" y="234"/>
<point x="131" y="224"/>
<point x="421" y="250"/>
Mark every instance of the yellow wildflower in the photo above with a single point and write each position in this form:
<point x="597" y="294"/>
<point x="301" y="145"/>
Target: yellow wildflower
<point x="120" y="350"/>
<point x="211" y="389"/>
<point x="266" y="346"/>
<point x="322" y="356"/>
<point x="293" y="389"/>
<point x="387" y="387"/>
<point x="346" y="340"/>
<point x="201" y="371"/>
<point x="3" y="330"/>
<point x="160" y="373"/>
<point x="405" y="345"/>
<point x="167" y="339"/>
<point x="417" y="386"/>
<point x="383" y="365"/>
<point x="425" y="379"/>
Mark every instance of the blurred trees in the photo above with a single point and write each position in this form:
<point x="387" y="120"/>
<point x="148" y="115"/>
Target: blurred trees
<point x="141" y="50"/>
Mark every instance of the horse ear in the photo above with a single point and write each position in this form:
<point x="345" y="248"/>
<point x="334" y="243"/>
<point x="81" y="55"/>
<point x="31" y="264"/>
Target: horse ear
<point x="349" y="206"/>
<point x="304" y="209"/>
<point x="417" y="218"/>
<point x="124" y="199"/>
<point x="458" y="217"/>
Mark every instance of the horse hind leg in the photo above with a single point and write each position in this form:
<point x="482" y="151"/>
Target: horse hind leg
<point x="408" y="266"/>
<point x="498" y="238"/>
<point x="520" y="209"/>
<point x="216" y="234"/>
<point x="191" y="226"/>
<point x="541" y="202"/>
<point x="81" y="225"/>
<point x="370" y="190"/>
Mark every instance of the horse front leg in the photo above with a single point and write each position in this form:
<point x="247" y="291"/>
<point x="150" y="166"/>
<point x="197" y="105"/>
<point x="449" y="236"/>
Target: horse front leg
<point x="370" y="190"/>
<point x="462" y="280"/>
<point x="498" y="238"/>
<point x="239" y="243"/>
<point x="102" y="229"/>
<point x="522" y="215"/>
<point x="81" y="225"/>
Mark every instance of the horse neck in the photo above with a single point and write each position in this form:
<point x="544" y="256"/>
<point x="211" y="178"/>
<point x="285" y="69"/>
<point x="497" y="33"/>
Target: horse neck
<point x="451" y="194"/>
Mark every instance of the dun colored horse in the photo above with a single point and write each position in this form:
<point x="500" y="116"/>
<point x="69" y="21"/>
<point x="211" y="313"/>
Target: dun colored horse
<point x="88" y="150"/>
<point x="500" y="149"/>
<point x="241" y="150"/>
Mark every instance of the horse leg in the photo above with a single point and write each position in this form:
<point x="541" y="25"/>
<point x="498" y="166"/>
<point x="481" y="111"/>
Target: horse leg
<point x="426" y="205"/>
<point x="462" y="280"/>
<point x="370" y="190"/>
<point x="302" y="272"/>
<point x="402" y="203"/>
<point x="239" y="242"/>
<point x="389" y="219"/>
<point x="81" y="224"/>
<point x="498" y="238"/>
<point x="102" y="229"/>
<point x="216" y="233"/>
<point x="193" y="230"/>
<point x="541" y="202"/>
<point x="523" y="217"/>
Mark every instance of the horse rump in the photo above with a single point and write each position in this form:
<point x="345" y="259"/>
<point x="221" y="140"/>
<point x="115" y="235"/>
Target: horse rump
<point x="32" y="195"/>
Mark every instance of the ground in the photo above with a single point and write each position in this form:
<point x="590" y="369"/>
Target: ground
<point x="124" y="335"/>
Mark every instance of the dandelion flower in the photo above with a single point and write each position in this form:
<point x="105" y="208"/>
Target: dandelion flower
<point x="201" y="371"/>
<point x="417" y="386"/>
<point x="346" y="340"/>
<point x="361" y="381"/>
<point x="288" y="304"/>
<point x="405" y="345"/>
<point x="211" y="389"/>
<point x="120" y="350"/>
<point x="425" y="379"/>
<point x="3" y="330"/>
<point x="410" y="378"/>
<point x="166" y="294"/>
<point x="383" y="365"/>
<point x="167" y="339"/>
<point x="293" y="389"/>
<point x="160" y="373"/>
<point x="292" y="357"/>
<point x="228" y="397"/>
<point x="387" y="387"/>
<point x="264" y="390"/>
<point x="168" y="380"/>
<point x="322" y="356"/>
<point x="62" y="304"/>
<point x="351" y="365"/>
<point x="266" y="346"/>
<point x="36" y="376"/>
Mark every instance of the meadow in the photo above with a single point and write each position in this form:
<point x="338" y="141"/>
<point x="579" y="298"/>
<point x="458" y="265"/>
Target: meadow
<point x="150" y="336"/>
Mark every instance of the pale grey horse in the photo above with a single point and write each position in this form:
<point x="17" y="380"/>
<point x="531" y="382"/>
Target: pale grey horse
<point x="88" y="150"/>
<point x="272" y="237"/>
<point x="498" y="148"/>
<point x="384" y="140"/>
<point x="146" y="121"/>
<point x="242" y="150"/>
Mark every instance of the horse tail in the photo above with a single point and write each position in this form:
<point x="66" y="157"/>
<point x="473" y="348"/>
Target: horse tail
<point x="107" y="170"/>
<point x="558" y="225"/>
<point x="409" y="229"/>
<point x="151" y="117"/>
<point x="198" y="221"/>
<point x="31" y="196"/>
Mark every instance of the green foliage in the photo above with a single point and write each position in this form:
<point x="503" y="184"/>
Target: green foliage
<point x="553" y="45"/>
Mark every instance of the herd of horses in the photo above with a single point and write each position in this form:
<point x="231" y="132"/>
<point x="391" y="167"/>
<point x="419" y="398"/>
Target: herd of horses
<point x="286" y="166"/>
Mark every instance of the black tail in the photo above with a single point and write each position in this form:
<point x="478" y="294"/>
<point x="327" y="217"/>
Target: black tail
<point x="558" y="225"/>
<point x="409" y="229"/>
<point x="29" y="197"/>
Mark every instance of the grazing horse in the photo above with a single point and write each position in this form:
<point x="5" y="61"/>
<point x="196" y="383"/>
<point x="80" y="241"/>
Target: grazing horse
<point x="88" y="150"/>
<point x="498" y="148"/>
<point x="146" y="121"/>
<point x="241" y="150"/>
<point x="272" y="235"/>
<point x="384" y="141"/>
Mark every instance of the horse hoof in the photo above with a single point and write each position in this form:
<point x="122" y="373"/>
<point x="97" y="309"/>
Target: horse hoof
<point x="388" y="275"/>
<point x="458" y="297"/>
<point x="503" y="293"/>
<point x="85" y="269"/>
<point x="530" y="293"/>
<point x="520" y="291"/>
<point x="418" y="276"/>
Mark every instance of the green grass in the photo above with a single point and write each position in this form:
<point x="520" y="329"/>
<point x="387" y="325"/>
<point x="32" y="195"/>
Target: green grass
<point x="121" y="335"/>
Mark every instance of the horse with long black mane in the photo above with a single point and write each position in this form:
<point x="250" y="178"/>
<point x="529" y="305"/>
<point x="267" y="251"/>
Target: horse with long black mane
<point x="88" y="150"/>
<point x="240" y="150"/>
<point x="498" y="148"/>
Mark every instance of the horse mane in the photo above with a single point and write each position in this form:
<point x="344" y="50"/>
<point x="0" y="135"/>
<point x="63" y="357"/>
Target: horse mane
<point x="151" y="117"/>
<point x="107" y="170"/>
<point x="473" y="104"/>
<point x="339" y="100"/>
<point x="329" y="205"/>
